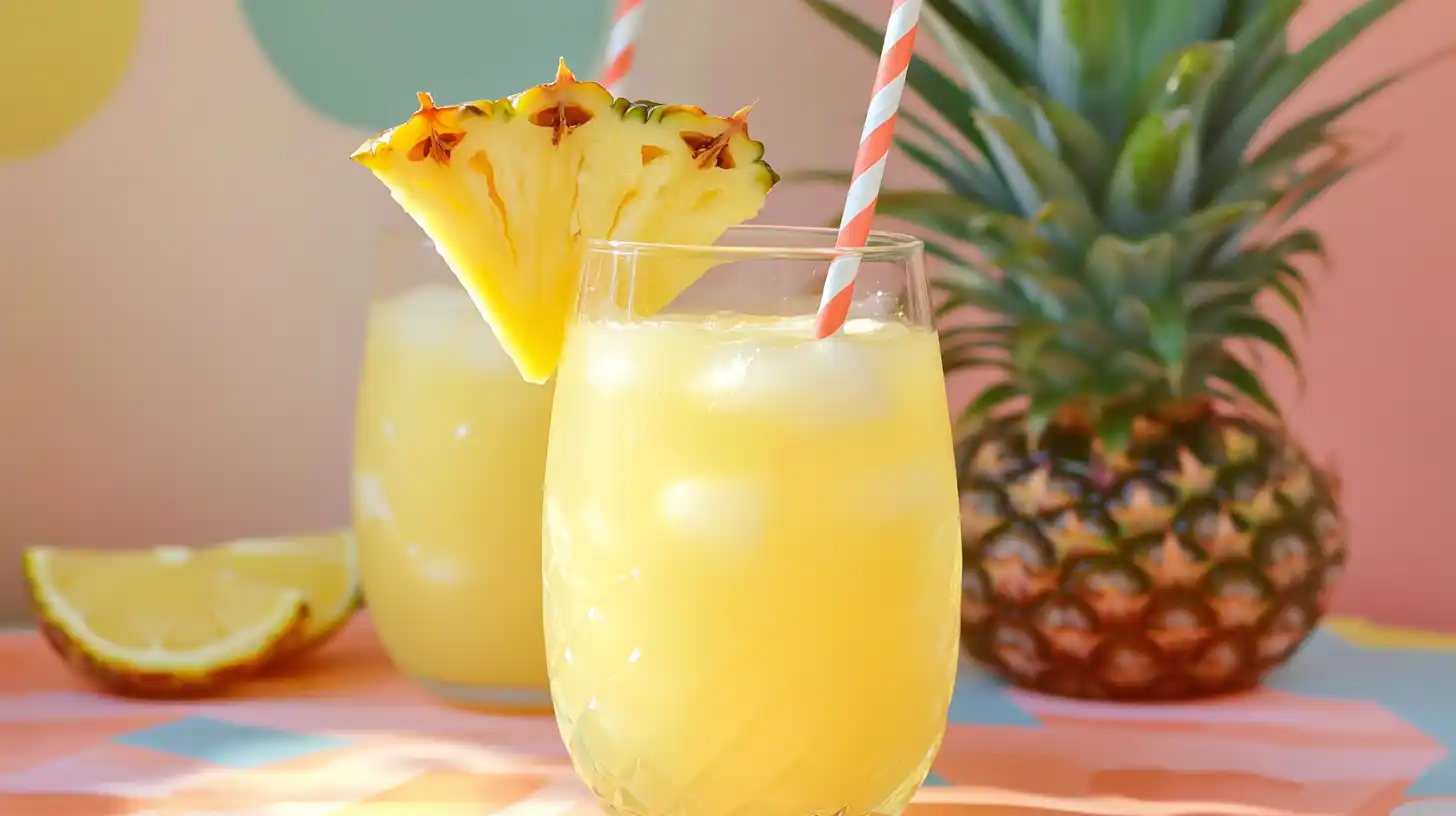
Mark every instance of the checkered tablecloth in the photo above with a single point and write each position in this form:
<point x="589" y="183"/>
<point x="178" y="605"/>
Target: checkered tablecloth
<point x="1361" y="724"/>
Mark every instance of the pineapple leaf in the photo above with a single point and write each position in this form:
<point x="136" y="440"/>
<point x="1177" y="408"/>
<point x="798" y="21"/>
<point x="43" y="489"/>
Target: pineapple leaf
<point x="1244" y="274"/>
<point x="1015" y="244"/>
<point x="943" y="95"/>
<point x="1289" y="274"/>
<point x="1240" y="13"/>
<point x="1207" y="300"/>
<point x="974" y="337"/>
<point x="1080" y="142"/>
<point x="1062" y="372"/>
<point x="969" y="23"/>
<point x="1000" y="234"/>
<point x="1118" y="267"/>
<point x="1039" y="412"/>
<point x="1287" y="77"/>
<point x="1299" y="242"/>
<point x="1200" y="232"/>
<point x="990" y="88"/>
<point x="1005" y="240"/>
<point x="1083" y="51"/>
<point x="1186" y="79"/>
<point x="1030" y="338"/>
<point x="1032" y="10"/>
<point x="1168" y="331"/>
<point x="1313" y="130"/>
<point x="1070" y="225"/>
<point x="1162" y="28"/>
<point x="988" y="400"/>
<point x="1259" y="44"/>
<point x="1013" y="23"/>
<point x="1129" y="370"/>
<point x="961" y="183"/>
<point x="1154" y="179"/>
<point x="1114" y="428"/>
<point x="975" y="289"/>
<point x="811" y="175"/>
<point x="935" y="249"/>
<point x="1282" y="156"/>
<point x="1235" y="284"/>
<point x="955" y="178"/>
<point x="1237" y="376"/>
<point x="962" y="359"/>
<point x="1314" y="186"/>
<point x="975" y="170"/>
<point x="940" y="210"/>
<point x="1041" y="290"/>
<point x="1034" y="174"/>
<point x="1291" y="298"/>
<point x="1250" y="325"/>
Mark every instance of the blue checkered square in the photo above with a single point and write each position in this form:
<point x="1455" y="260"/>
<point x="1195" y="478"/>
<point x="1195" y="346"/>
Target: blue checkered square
<point x="228" y="744"/>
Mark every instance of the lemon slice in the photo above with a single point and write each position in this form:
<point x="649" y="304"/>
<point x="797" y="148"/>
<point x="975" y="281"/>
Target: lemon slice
<point x="160" y="621"/>
<point x="322" y="566"/>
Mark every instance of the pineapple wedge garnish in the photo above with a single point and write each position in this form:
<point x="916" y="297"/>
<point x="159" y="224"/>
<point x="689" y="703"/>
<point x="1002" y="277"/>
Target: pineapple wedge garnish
<point x="510" y="189"/>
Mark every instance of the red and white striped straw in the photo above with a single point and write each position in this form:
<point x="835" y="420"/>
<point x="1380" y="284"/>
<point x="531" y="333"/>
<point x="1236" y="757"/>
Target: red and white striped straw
<point x="622" y="46"/>
<point x="869" y="163"/>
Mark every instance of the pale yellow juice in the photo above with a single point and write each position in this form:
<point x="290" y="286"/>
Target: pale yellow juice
<point x="752" y="564"/>
<point x="449" y="455"/>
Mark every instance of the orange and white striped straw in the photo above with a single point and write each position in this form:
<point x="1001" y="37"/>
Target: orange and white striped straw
<point x="869" y="163"/>
<point x="622" y="46"/>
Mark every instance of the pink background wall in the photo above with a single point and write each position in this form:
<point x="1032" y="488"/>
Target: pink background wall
<point x="185" y="387"/>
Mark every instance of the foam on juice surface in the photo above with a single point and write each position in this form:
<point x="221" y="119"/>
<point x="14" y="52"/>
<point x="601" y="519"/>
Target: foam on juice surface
<point x="440" y="319"/>
<point x="769" y="365"/>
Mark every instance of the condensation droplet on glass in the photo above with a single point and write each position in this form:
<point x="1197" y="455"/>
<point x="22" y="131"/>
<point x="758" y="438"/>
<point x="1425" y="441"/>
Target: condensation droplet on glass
<point x="593" y="614"/>
<point x="635" y="656"/>
<point x="388" y="429"/>
<point x="462" y="430"/>
<point x="567" y="654"/>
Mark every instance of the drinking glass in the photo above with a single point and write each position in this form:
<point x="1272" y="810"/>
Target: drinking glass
<point x="450" y="448"/>
<point x="752" y="547"/>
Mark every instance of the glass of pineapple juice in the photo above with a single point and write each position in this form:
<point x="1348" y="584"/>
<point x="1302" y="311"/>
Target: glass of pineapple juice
<point x="752" y="548"/>
<point x="450" y="448"/>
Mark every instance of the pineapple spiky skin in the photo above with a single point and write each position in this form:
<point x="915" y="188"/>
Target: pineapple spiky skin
<point x="1190" y="565"/>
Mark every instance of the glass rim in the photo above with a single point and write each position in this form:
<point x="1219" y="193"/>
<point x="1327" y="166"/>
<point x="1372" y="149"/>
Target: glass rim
<point x="882" y="245"/>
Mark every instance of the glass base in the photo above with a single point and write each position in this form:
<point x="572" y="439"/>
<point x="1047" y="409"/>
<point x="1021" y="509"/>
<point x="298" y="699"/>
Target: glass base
<point x="488" y="698"/>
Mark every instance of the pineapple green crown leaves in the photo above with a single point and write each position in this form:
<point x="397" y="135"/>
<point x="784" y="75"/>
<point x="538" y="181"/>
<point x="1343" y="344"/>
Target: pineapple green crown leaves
<point x="1095" y="157"/>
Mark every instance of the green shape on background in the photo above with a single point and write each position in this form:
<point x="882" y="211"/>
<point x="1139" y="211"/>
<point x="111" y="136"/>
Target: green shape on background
<point x="360" y="62"/>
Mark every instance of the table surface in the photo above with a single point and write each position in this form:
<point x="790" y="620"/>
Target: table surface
<point x="1362" y="723"/>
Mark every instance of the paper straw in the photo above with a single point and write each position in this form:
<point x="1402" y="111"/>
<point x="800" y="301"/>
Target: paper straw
<point x="869" y="163"/>
<point x="622" y="46"/>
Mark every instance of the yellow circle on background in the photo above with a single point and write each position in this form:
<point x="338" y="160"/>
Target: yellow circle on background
<point x="59" y="62"/>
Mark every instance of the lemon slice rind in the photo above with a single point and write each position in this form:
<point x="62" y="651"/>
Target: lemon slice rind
<point x="245" y="646"/>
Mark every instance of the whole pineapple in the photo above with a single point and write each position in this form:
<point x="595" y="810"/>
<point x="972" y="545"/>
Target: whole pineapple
<point x="1137" y="523"/>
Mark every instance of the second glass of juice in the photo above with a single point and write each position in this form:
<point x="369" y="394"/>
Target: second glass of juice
<point x="450" y="450"/>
